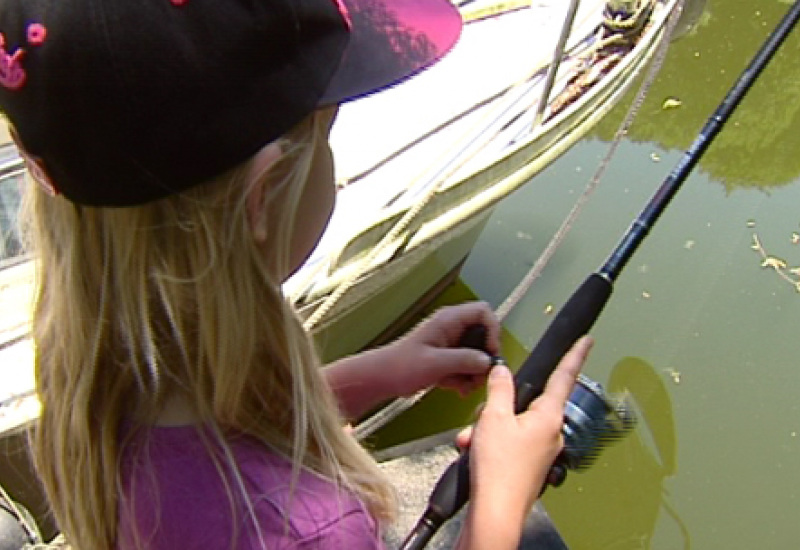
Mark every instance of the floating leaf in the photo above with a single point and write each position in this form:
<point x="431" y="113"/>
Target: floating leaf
<point x="674" y="374"/>
<point x="795" y="237"/>
<point x="646" y="295"/>
<point x="654" y="157"/>
<point x="756" y="243"/>
<point x="751" y="223"/>
<point x="671" y="103"/>
<point x="548" y="309"/>
<point x="773" y="262"/>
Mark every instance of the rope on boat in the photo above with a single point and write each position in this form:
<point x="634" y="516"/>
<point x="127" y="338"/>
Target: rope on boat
<point x="450" y="167"/>
<point x="400" y="405"/>
<point x="459" y="158"/>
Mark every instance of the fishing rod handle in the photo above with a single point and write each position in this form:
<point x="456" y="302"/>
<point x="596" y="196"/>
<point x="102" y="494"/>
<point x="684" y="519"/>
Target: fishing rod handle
<point x="574" y="320"/>
<point x="452" y="488"/>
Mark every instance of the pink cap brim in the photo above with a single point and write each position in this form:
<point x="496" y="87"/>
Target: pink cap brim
<point x="391" y="40"/>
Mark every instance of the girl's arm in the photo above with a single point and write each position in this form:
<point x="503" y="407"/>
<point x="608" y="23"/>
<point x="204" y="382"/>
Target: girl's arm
<point x="427" y="356"/>
<point x="511" y="454"/>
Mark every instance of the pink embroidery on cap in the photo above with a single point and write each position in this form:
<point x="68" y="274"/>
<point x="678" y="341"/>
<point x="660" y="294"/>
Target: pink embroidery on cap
<point x="12" y="75"/>
<point x="178" y="2"/>
<point x="36" y="34"/>
<point x="344" y="13"/>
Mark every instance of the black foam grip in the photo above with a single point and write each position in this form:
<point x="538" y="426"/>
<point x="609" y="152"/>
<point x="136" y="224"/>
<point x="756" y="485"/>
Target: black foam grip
<point x="451" y="491"/>
<point x="572" y="321"/>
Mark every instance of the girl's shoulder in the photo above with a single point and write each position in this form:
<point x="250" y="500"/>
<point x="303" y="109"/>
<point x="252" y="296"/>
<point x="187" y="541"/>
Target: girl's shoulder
<point x="177" y="490"/>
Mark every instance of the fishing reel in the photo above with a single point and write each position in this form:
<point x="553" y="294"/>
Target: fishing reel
<point x="592" y="420"/>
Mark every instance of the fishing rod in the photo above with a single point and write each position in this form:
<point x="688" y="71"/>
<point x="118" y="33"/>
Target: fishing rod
<point x="579" y="313"/>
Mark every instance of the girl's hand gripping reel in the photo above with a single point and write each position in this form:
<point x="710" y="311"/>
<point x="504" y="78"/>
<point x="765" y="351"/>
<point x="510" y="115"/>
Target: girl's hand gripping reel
<point x="583" y="432"/>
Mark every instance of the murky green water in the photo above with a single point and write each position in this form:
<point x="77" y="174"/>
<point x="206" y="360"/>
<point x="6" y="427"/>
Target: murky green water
<point x="703" y="337"/>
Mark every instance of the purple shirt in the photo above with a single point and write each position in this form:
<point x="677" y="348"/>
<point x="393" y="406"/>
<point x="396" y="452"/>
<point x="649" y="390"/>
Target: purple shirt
<point x="173" y="495"/>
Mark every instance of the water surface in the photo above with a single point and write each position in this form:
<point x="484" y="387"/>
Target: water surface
<point x="702" y="327"/>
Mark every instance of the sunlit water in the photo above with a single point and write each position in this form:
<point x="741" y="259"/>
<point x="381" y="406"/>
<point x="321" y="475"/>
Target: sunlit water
<point x="702" y="328"/>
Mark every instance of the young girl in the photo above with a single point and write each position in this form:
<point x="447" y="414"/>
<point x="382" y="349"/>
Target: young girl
<point x="181" y="153"/>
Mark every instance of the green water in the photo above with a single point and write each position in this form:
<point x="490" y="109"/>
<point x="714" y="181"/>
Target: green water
<point x="703" y="337"/>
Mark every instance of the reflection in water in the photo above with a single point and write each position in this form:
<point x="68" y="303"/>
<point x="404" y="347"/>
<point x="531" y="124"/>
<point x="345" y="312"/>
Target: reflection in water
<point x="758" y="147"/>
<point x="615" y="505"/>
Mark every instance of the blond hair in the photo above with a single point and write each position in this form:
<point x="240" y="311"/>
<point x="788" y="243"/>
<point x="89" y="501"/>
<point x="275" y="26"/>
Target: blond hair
<point x="175" y="298"/>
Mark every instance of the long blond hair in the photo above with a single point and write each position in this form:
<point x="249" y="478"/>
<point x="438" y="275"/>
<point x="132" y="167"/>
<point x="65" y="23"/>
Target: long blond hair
<point x="175" y="297"/>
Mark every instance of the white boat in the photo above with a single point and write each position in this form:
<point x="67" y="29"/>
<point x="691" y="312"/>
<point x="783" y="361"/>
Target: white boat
<point x="420" y="167"/>
<point x="423" y="164"/>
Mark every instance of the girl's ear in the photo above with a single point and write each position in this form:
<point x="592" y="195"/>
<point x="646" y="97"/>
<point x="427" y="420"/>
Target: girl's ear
<point x="256" y="198"/>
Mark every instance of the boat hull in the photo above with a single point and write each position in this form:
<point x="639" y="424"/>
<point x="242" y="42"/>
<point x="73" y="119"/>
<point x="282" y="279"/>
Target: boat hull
<point x="386" y="297"/>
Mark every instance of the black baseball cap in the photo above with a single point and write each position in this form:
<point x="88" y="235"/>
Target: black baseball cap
<point x="122" y="102"/>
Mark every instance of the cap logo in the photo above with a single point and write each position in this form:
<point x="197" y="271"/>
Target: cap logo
<point x="12" y="73"/>
<point x="36" y="34"/>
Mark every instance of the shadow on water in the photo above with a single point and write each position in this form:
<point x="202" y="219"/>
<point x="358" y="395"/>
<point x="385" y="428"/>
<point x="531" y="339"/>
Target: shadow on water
<point x="627" y="481"/>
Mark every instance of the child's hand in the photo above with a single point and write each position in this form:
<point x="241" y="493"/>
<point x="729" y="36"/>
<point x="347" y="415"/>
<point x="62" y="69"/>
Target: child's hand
<point x="427" y="356"/>
<point x="430" y="354"/>
<point x="511" y="454"/>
